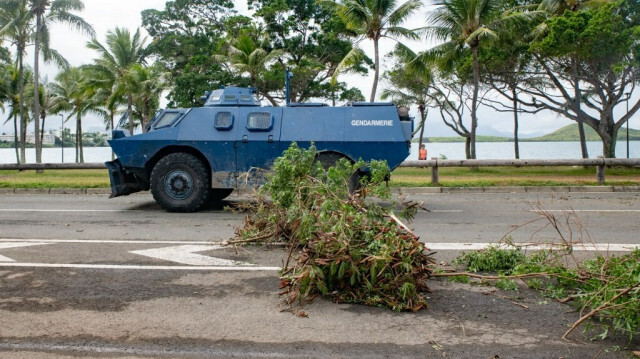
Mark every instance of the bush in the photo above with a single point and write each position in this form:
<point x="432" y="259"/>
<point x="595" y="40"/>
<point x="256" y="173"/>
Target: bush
<point x="346" y="247"/>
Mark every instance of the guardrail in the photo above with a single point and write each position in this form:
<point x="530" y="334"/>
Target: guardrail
<point x="434" y="163"/>
<point x="600" y="163"/>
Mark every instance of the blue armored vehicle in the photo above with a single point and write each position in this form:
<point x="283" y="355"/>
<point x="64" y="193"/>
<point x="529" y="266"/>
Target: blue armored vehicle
<point x="188" y="156"/>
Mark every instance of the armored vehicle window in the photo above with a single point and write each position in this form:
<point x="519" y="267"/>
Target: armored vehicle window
<point x="229" y="98"/>
<point x="166" y="119"/>
<point x="224" y="121"/>
<point x="246" y="98"/>
<point x="259" y="121"/>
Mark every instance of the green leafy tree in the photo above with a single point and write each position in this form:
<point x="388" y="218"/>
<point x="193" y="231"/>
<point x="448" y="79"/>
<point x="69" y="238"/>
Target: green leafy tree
<point x="47" y="12"/>
<point x="605" y="43"/>
<point x="313" y="43"/>
<point x="373" y="20"/>
<point x="186" y="36"/>
<point x="115" y="60"/>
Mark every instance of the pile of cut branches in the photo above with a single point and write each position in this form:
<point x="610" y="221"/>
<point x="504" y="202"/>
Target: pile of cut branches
<point x="346" y="247"/>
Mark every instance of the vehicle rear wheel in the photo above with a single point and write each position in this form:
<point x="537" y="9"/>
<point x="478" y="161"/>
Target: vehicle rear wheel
<point x="329" y="159"/>
<point x="180" y="183"/>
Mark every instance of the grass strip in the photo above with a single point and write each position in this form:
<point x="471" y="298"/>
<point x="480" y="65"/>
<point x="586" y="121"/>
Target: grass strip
<point x="401" y="177"/>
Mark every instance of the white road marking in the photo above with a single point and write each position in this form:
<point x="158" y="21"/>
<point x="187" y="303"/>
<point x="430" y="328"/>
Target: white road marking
<point x="186" y="255"/>
<point x="99" y="241"/>
<point x="139" y="267"/>
<point x="5" y="245"/>
<point x="605" y="247"/>
<point x="63" y="210"/>
<point x="589" y="210"/>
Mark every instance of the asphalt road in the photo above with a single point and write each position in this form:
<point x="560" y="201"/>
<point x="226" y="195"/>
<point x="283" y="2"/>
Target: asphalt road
<point x="82" y="275"/>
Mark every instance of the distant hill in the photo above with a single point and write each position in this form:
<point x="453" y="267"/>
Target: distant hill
<point x="567" y="133"/>
<point x="570" y="133"/>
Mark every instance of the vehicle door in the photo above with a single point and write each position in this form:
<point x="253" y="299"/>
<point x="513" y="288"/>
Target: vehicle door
<point x="258" y="143"/>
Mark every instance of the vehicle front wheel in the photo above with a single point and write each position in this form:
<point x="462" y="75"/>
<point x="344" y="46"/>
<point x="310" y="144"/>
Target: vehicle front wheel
<point x="180" y="183"/>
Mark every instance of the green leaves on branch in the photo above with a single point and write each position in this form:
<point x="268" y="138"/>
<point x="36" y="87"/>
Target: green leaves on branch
<point x="346" y="247"/>
<point x="606" y="289"/>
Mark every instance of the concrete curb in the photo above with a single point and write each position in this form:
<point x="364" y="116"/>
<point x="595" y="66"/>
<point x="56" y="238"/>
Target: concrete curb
<point x="399" y="190"/>
<point x="516" y="189"/>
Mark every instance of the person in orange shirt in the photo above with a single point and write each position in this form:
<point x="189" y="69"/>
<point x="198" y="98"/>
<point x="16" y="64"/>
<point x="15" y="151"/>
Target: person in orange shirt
<point x="422" y="155"/>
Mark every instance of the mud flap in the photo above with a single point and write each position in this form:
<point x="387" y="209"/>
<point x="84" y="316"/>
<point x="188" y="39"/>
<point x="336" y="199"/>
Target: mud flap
<point x="123" y="182"/>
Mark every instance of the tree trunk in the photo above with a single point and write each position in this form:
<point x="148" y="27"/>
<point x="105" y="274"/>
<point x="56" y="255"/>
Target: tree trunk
<point x="577" y="104"/>
<point x="467" y="147"/>
<point x="36" y="92"/>
<point x="23" y="116"/>
<point x="42" y="134"/>
<point x="474" y="101"/>
<point x="77" y="149"/>
<point x="516" y="148"/>
<point x="130" y="112"/>
<point x="80" y="148"/>
<point x="16" y="142"/>
<point x="376" y="51"/>
<point x="423" y="118"/>
<point x="113" y="155"/>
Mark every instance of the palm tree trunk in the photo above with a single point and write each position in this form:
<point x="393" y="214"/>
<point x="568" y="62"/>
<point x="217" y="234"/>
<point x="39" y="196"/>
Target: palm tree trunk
<point x="130" y="112"/>
<point x="578" y="111"/>
<point x="113" y="155"/>
<point x="42" y="135"/>
<point x="80" y="148"/>
<point x="474" y="101"/>
<point x="516" y="147"/>
<point x="377" y="70"/>
<point x="16" y="143"/>
<point x="36" y="92"/>
<point x="23" y="115"/>
<point x="76" y="145"/>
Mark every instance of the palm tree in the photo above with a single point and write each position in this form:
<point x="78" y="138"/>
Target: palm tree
<point x="116" y="58"/>
<point x="9" y="94"/>
<point x="148" y="84"/>
<point x="410" y="82"/>
<point x="72" y="94"/>
<point x="48" y="104"/>
<point x="465" y="23"/>
<point x="373" y="20"/>
<point x="15" y="20"/>
<point x="59" y="12"/>
<point x="249" y="54"/>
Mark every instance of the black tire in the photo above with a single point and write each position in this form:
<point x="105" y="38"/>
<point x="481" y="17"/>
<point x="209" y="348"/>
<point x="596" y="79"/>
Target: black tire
<point x="180" y="183"/>
<point x="218" y="194"/>
<point x="329" y="159"/>
<point x="354" y="183"/>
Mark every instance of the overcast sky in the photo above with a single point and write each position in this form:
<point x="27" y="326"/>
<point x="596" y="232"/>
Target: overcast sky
<point x="106" y="15"/>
